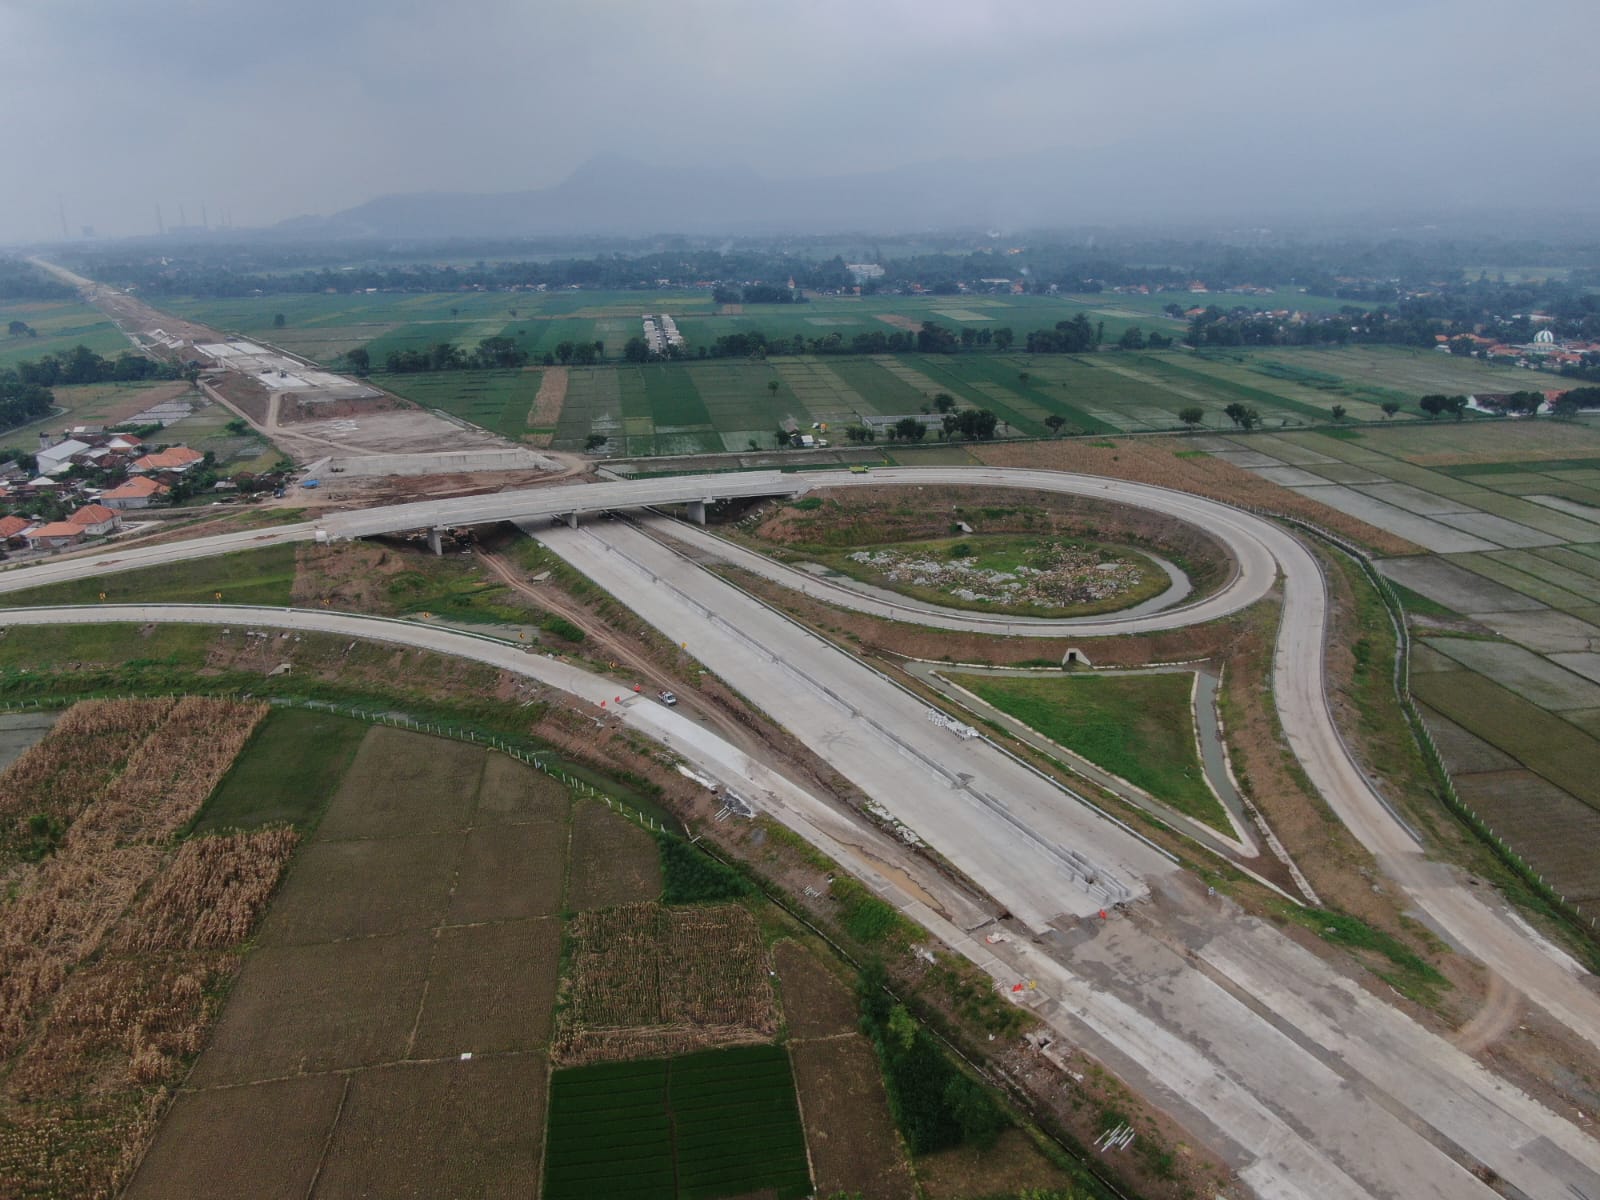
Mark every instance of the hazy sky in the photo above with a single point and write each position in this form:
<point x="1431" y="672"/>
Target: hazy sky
<point x="271" y="109"/>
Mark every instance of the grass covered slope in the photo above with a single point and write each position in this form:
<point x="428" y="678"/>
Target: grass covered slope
<point x="1137" y="726"/>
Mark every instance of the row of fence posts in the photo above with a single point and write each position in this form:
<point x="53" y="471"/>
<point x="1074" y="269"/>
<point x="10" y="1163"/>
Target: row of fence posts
<point x="1570" y="910"/>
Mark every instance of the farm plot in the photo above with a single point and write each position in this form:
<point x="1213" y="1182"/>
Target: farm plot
<point x="497" y="400"/>
<point x="646" y="980"/>
<point x="849" y="1128"/>
<point x="613" y="861"/>
<point x="415" y="948"/>
<point x="719" y="1124"/>
<point x="107" y="912"/>
<point x="59" y="326"/>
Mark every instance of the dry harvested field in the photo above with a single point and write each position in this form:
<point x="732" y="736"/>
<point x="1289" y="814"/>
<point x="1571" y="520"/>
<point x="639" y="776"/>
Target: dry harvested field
<point x="612" y="861"/>
<point x="115" y="938"/>
<point x="851" y="1133"/>
<point x="1511" y="515"/>
<point x="390" y="1028"/>
<point x="648" y="981"/>
<point x="1173" y="463"/>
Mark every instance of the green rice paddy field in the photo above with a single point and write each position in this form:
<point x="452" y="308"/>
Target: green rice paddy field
<point x="59" y="325"/>
<point x="707" y="406"/>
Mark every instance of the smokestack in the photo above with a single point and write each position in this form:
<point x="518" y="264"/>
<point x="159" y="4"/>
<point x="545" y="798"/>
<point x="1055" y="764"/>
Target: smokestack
<point x="183" y="218"/>
<point x="161" y="226"/>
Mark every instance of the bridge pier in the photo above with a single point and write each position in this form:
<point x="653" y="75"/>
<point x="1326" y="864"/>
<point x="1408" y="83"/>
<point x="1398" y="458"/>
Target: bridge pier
<point x="697" y="511"/>
<point x="434" y="542"/>
<point x="572" y="520"/>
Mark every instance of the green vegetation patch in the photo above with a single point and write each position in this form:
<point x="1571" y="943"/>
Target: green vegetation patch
<point x="1406" y="971"/>
<point x="690" y="876"/>
<point x="264" y="576"/>
<point x="718" y="1124"/>
<point x="936" y="1106"/>
<point x="1137" y="726"/>
<point x="287" y="773"/>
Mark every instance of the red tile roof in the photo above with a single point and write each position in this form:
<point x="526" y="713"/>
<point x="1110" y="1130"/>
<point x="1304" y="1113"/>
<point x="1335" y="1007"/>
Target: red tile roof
<point x="11" y="526"/>
<point x="92" y="514"/>
<point x="178" y="456"/>
<point x="134" y="489"/>
<point x="57" y="529"/>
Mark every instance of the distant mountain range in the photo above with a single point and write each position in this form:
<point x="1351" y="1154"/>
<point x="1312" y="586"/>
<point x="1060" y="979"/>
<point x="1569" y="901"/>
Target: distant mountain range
<point x="1170" y="182"/>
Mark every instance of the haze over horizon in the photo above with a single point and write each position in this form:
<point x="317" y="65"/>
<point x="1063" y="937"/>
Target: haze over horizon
<point x="1144" y="110"/>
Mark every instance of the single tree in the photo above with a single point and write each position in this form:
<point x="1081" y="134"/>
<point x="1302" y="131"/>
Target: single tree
<point x="279" y="320"/>
<point x="1432" y="406"/>
<point x="772" y="386"/>
<point x="1192" y="416"/>
<point x="1337" y="412"/>
<point x="1023" y="377"/>
<point x="1054" y="422"/>
<point x="360" y="361"/>
<point x="1390" y="407"/>
<point x="594" y="441"/>
<point x="944" y="402"/>
<point x="1242" y="415"/>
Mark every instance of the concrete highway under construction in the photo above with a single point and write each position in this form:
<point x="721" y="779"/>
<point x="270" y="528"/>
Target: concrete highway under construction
<point x="1303" y="1081"/>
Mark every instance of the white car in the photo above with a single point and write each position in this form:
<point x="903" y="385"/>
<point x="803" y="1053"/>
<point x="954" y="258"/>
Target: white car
<point x="667" y="698"/>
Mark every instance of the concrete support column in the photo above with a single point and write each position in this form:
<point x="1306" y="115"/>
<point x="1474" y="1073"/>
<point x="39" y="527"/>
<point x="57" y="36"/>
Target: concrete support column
<point x="572" y="520"/>
<point x="434" y="542"/>
<point x="697" y="511"/>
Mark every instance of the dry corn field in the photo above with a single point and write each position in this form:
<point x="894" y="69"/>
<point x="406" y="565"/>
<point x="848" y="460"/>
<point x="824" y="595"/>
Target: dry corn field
<point x="647" y="981"/>
<point x="114" y="949"/>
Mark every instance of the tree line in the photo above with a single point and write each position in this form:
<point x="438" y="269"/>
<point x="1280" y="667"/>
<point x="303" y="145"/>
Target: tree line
<point x="83" y="365"/>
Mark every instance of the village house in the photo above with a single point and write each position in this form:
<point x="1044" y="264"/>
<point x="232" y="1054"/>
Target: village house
<point x="14" y="530"/>
<point x="96" y="520"/>
<point x="56" y="536"/>
<point x="176" y="461"/>
<point x="139" y="492"/>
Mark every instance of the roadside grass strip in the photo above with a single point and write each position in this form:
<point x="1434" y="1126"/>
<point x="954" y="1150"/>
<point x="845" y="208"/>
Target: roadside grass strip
<point x="701" y="1127"/>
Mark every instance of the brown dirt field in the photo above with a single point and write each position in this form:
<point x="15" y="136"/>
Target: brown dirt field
<point x="513" y="792"/>
<point x="730" y="310"/>
<point x="612" y="860"/>
<point x="546" y="410"/>
<point x="295" y="410"/>
<point x="366" y="888"/>
<point x="1155" y="460"/>
<point x="510" y="871"/>
<point x="470" y="1008"/>
<point x="899" y="322"/>
<point x="435" y="1129"/>
<point x="244" y="394"/>
<point x="261" y="1141"/>
<point x="301" y="1009"/>
<point x="404" y="783"/>
<point x="1013" y="1165"/>
<point x="849" y="1130"/>
<point x="816" y="1002"/>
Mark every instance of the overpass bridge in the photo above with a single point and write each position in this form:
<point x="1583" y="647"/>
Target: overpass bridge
<point x="561" y="503"/>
